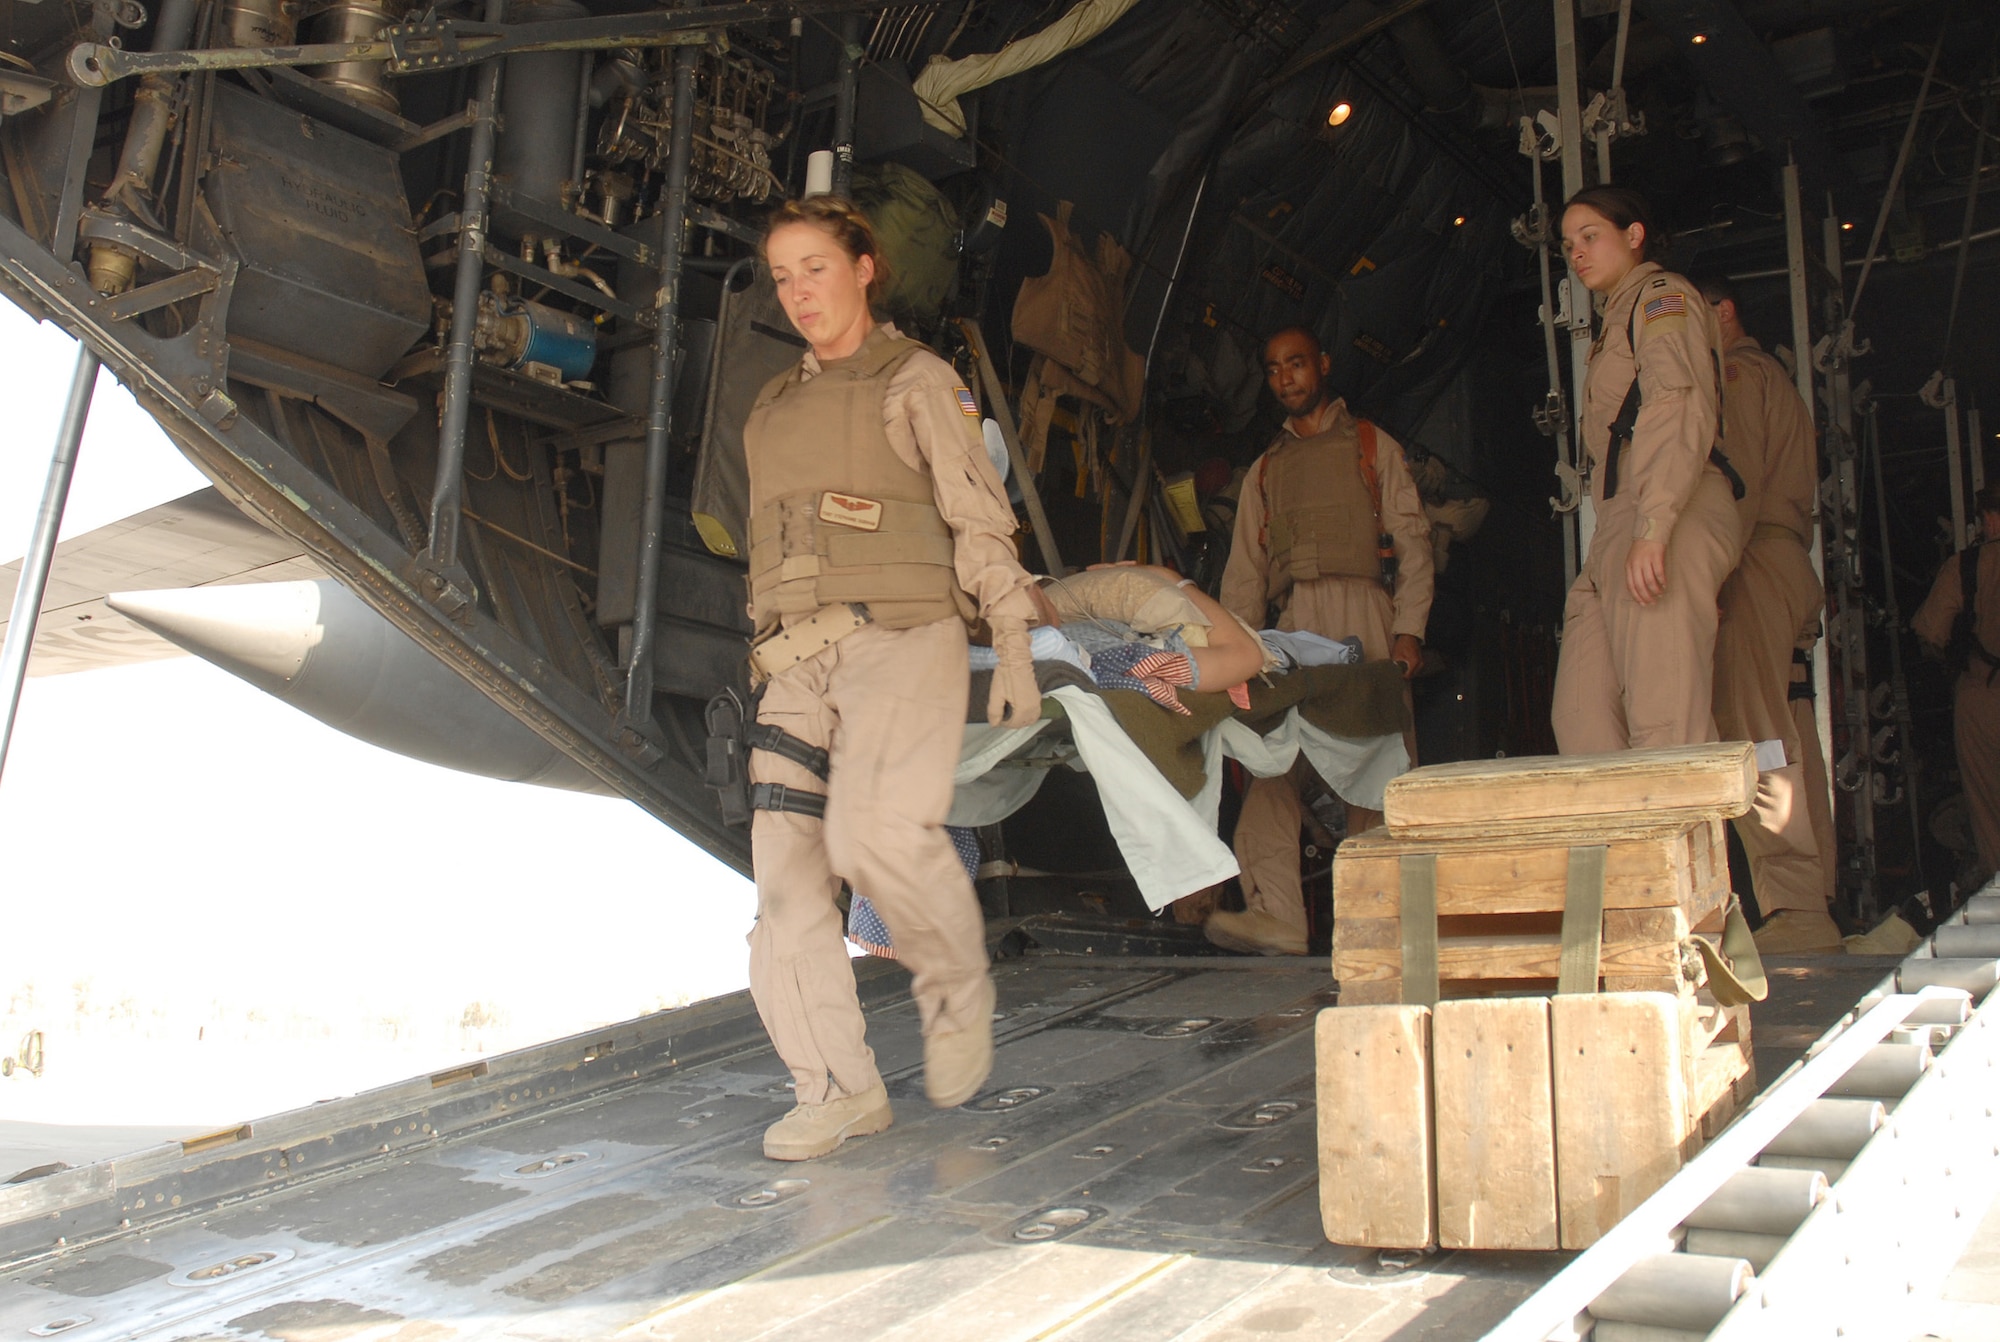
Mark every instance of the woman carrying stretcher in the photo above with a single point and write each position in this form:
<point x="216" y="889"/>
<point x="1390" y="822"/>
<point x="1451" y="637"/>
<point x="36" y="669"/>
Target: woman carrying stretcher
<point x="1638" y="648"/>
<point x="877" y="530"/>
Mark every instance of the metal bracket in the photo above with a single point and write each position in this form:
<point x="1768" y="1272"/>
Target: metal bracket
<point x="1572" y="485"/>
<point x="1541" y="135"/>
<point x="1608" y="117"/>
<point x="448" y="587"/>
<point x="1533" y="229"/>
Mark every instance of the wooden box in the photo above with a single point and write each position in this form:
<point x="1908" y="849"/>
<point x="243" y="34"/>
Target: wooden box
<point x="1516" y="1123"/>
<point x="1500" y="905"/>
<point x="1539" y="794"/>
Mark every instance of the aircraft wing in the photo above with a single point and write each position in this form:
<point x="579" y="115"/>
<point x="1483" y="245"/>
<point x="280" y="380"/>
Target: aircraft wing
<point x="198" y="540"/>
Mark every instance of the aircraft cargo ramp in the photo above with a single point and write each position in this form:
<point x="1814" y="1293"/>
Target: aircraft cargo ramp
<point x="1143" y="1165"/>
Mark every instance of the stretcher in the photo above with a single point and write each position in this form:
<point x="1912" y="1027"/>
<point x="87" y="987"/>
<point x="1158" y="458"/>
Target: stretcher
<point x="1168" y="840"/>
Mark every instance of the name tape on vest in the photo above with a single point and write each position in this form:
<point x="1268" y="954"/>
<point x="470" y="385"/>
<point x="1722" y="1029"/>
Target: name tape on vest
<point x="846" y="510"/>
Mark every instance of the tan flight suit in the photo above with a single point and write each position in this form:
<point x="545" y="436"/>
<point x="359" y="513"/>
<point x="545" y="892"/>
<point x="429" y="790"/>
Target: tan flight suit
<point x="1632" y="675"/>
<point x="1771" y="597"/>
<point x="885" y="426"/>
<point x="1976" y="701"/>
<point x="1333" y="605"/>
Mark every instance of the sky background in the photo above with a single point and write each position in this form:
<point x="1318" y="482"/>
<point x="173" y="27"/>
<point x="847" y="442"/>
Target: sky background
<point x="217" y="907"/>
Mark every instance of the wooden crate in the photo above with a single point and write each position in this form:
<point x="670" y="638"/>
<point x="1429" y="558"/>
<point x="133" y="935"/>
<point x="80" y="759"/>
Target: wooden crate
<point x="1500" y="902"/>
<point x="1538" y="794"/>
<point x="1516" y="1123"/>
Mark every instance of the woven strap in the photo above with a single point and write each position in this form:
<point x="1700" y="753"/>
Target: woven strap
<point x="1583" y="920"/>
<point x="1419" y="918"/>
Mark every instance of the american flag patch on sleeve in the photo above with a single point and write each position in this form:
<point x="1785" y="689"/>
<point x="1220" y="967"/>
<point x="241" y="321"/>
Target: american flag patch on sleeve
<point x="1666" y="305"/>
<point x="966" y="403"/>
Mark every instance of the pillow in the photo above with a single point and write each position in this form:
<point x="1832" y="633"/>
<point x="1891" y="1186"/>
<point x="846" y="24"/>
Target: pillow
<point x="1148" y="600"/>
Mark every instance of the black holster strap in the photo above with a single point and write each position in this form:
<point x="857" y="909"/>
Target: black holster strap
<point x="1721" y="463"/>
<point x="775" y="740"/>
<point x="778" y="797"/>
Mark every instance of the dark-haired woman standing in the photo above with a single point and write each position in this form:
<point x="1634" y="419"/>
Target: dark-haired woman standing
<point x="877" y="529"/>
<point x="1638" y="649"/>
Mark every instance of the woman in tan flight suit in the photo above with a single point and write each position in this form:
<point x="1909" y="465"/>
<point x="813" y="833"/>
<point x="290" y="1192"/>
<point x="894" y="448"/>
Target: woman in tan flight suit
<point x="877" y="529"/>
<point x="1638" y="648"/>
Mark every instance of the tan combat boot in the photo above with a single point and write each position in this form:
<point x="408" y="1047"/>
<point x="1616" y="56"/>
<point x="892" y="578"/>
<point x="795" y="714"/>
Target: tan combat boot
<point x="811" y="1130"/>
<point x="1799" y="932"/>
<point x="1253" y="933"/>
<point x="957" y="1063"/>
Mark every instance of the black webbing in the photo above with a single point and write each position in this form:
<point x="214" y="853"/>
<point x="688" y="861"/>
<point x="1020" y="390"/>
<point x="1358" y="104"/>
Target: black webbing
<point x="775" y="740"/>
<point x="1627" y="419"/>
<point x="778" y="797"/>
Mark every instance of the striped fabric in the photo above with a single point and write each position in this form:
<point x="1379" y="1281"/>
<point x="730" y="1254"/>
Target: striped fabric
<point x="865" y="927"/>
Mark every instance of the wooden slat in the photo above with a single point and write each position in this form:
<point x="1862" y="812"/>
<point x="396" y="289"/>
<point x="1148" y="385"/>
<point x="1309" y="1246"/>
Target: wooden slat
<point x="1548" y="793"/>
<point x="1496" y="1177"/>
<point x="1636" y="942"/>
<point x="1644" y="869"/>
<point x="1374" y="1102"/>
<point x="1621" y="1105"/>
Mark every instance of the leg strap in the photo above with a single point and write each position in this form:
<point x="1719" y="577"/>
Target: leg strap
<point x="778" y="797"/>
<point x="775" y="740"/>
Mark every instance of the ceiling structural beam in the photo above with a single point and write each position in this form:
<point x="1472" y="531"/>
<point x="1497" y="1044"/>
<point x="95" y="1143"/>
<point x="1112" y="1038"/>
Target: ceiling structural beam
<point x="1743" y="76"/>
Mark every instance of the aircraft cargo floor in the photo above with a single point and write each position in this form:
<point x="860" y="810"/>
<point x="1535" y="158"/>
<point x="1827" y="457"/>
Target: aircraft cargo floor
<point x="1140" y="1167"/>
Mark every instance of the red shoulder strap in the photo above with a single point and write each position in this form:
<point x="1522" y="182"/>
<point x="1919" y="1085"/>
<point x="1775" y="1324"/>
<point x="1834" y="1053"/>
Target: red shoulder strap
<point x="1365" y="432"/>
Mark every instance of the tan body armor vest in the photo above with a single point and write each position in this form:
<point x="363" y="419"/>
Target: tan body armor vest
<point x="835" y="515"/>
<point x="1323" y="518"/>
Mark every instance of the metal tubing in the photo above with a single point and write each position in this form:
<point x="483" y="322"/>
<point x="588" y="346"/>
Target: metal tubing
<point x="1976" y="454"/>
<point x="1830" y="1128"/>
<point x="843" y="105"/>
<point x="1943" y="1005"/>
<point x="448" y="491"/>
<point x="1675" y="1290"/>
<point x="1974" y="976"/>
<point x="1982" y="909"/>
<point x="1611" y="1330"/>
<point x="1762" y="1202"/>
<point x="1885" y="1072"/>
<point x="1802" y="343"/>
<point x="42" y="544"/>
<point x="659" y="403"/>
<point x="1830" y="1166"/>
<point x="1899" y="685"/>
<point x="1954" y="461"/>
<point x="1752" y="1247"/>
<point x="1569" y="111"/>
<point x="1980" y="941"/>
<point x="1556" y="1304"/>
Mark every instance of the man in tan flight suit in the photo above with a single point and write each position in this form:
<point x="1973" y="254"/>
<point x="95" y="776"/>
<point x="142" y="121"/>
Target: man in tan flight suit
<point x="1308" y="528"/>
<point x="869" y="483"/>
<point x="1976" y="701"/>
<point x="1769" y="604"/>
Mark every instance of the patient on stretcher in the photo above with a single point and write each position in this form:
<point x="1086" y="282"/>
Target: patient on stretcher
<point x="1145" y="628"/>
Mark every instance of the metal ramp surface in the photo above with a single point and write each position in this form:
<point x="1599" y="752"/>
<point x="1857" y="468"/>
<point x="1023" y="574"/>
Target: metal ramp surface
<point x="1142" y="1166"/>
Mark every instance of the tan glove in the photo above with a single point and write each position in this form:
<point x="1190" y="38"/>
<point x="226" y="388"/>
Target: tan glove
<point x="1016" y="700"/>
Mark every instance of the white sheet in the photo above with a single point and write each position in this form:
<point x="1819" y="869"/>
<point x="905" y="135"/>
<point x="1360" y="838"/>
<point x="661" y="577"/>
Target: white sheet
<point x="1168" y="842"/>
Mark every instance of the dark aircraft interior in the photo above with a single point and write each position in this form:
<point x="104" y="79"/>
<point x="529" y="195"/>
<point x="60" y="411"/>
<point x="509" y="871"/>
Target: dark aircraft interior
<point x="463" y="300"/>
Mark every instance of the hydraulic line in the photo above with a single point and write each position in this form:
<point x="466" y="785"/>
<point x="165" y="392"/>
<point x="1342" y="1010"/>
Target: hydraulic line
<point x="1899" y="688"/>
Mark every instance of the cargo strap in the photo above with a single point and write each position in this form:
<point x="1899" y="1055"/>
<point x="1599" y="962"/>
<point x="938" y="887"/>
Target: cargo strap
<point x="1583" y="920"/>
<point x="778" y="797"/>
<point x="1735" y="969"/>
<point x="808" y="638"/>
<point x="1419" y="918"/>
